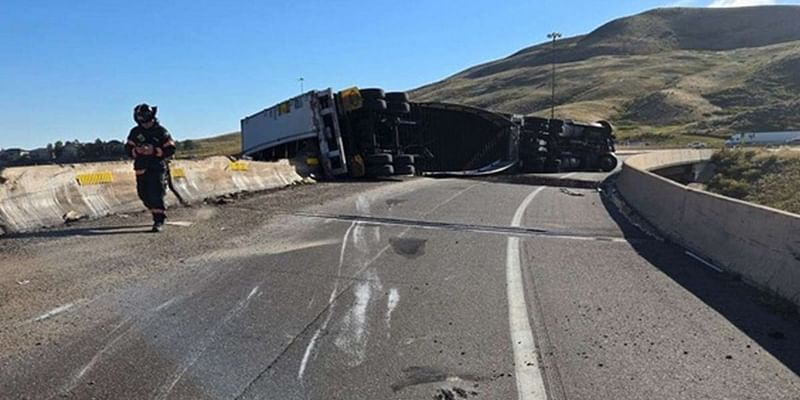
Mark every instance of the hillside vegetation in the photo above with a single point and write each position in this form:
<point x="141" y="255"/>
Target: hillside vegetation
<point x="759" y="176"/>
<point x="670" y="75"/>
<point x="223" y="145"/>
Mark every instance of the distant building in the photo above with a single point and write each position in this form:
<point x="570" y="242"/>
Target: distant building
<point x="12" y="156"/>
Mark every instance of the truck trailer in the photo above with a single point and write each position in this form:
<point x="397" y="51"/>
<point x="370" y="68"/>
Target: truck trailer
<point x="373" y="133"/>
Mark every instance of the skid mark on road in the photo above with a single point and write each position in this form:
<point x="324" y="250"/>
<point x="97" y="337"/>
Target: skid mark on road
<point x="354" y="335"/>
<point x="530" y="385"/>
<point x="335" y="294"/>
<point x="53" y="312"/>
<point x="331" y="299"/>
<point x="391" y="304"/>
<point x="198" y="351"/>
<point x="119" y="332"/>
<point x="76" y="379"/>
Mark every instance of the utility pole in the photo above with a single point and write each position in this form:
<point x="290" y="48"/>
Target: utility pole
<point x="301" y="84"/>
<point x="554" y="36"/>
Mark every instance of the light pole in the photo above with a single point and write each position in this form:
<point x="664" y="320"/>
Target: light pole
<point x="301" y="84"/>
<point x="554" y="36"/>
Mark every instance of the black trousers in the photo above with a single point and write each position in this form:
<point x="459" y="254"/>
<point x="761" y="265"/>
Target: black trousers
<point x="151" y="187"/>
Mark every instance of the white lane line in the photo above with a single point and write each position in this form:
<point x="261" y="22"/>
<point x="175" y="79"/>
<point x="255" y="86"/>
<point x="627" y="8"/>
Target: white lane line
<point x="704" y="262"/>
<point x="530" y="385"/>
<point x="54" y="312"/>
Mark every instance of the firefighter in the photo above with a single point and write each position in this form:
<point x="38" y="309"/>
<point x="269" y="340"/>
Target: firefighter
<point x="150" y="145"/>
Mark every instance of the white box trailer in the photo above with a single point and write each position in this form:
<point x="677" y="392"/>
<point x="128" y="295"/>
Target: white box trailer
<point x="308" y="116"/>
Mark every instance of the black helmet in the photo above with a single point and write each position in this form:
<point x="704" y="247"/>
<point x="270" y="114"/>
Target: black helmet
<point x="144" y="113"/>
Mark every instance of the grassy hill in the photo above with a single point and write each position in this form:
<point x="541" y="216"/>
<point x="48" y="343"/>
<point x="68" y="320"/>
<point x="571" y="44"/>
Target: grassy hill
<point x="222" y="145"/>
<point x="671" y="75"/>
<point x="771" y="178"/>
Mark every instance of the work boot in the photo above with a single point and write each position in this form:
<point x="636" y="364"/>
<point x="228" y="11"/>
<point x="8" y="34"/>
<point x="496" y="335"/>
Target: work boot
<point x="158" y="222"/>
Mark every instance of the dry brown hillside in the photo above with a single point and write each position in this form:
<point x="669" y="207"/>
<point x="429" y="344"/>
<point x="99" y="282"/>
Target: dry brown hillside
<point x="668" y="74"/>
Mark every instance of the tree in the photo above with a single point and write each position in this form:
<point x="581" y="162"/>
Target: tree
<point x="58" y="147"/>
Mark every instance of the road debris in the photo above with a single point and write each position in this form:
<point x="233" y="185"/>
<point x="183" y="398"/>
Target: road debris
<point x="570" y="192"/>
<point x="72" y="216"/>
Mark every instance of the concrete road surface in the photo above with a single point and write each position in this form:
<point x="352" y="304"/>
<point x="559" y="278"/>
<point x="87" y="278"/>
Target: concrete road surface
<point x="420" y="289"/>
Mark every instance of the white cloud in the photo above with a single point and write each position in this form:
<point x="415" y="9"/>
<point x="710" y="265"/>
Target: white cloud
<point x="741" y="3"/>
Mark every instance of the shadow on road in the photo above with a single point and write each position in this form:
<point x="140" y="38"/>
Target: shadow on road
<point x="85" y="231"/>
<point x="768" y="322"/>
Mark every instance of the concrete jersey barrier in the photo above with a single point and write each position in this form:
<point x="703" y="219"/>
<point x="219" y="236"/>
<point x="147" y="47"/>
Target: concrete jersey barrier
<point x="41" y="196"/>
<point x="759" y="243"/>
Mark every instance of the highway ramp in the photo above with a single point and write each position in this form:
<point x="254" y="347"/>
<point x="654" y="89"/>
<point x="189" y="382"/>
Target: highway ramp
<point x="403" y="289"/>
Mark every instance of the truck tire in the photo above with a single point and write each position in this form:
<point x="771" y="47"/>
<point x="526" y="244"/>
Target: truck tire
<point x="380" y="170"/>
<point x="405" y="170"/>
<point x="372" y="93"/>
<point x="607" y="162"/>
<point x="397" y="97"/>
<point x="379" y="159"/>
<point x="374" y="104"/>
<point x="398" y="108"/>
<point x="403" y="159"/>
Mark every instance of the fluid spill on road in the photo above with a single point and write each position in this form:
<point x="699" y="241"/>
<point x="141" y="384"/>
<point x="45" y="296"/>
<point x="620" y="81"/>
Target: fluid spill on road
<point x="408" y="247"/>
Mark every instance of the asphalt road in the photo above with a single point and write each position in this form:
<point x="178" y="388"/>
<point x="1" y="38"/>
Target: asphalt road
<point x="419" y="289"/>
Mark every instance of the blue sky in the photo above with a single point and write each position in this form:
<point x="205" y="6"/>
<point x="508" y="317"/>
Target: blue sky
<point x="74" y="70"/>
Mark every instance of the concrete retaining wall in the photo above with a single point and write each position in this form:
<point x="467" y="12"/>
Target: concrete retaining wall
<point x="759" y="243"/>
<point x="36" y="197"/>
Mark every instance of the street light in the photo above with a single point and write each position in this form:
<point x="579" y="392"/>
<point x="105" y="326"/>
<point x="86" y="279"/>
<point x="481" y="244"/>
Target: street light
<point x="554" y="36"/>
<point x="301" y="84"/>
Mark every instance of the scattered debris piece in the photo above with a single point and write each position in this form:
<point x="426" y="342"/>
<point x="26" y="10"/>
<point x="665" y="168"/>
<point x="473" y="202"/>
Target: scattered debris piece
<point x="180" y="223"/>
<point x="570" y="192"/>
<point x="25" y="282"/>
<point x="72" y="216"/>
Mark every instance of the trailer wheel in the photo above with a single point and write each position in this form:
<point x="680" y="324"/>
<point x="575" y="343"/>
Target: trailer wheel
<point x="372" y="93"/>
<point x="403" y="159"/>
<point x="397" y="97"/>
<point x="399" y="108"/>
<point x="374" y="104"/>
<point x="608" y="162"/>
<point x="405" y="170"/>
<point x="380" y="170"/>
<point x="379" y="159"/>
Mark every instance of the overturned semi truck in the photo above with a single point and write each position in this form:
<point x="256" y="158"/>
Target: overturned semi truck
<point x="369" y="132"/>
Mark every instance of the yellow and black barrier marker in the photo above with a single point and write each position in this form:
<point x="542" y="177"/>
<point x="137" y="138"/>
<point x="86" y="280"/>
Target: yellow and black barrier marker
<point x="95" y="178"/>
<point x="177" y="173"/>
<point x="238" y="166"/>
